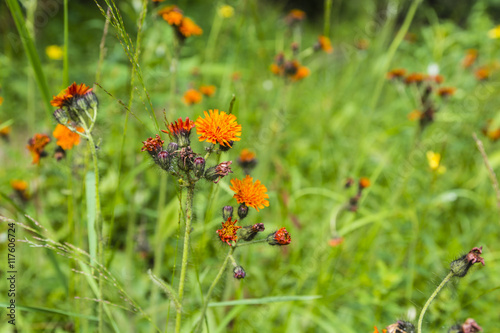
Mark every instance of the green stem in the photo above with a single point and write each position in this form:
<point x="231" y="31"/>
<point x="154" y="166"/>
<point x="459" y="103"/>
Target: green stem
<point x="251" y="243"/>
<point x="212" y="287"/>
<point x="429" y="301"/>
<point x="328" y="10"/>
<point x="66" y="38"/>
<point x="185" y="253"/>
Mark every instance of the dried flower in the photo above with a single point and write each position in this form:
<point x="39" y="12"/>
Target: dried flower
<point x="181" y="131"/>
<point x="36" y="146"/>
<point x="239" y="273"/>
<point x="218" y="128"/>
<point x="460" y="266"/>
<point x="192" y="96"/>
<point x="250" y="193"/>
<point x="207" y="90"/>
<point x="401" y="327"/>
<point x="153" y="146"/>
<point x="247" y="233"/>
<point x="280" y="237"/>
<point x="228" y="231"/>
<point x="66" y="138"/>
<point x="470" y="326"/>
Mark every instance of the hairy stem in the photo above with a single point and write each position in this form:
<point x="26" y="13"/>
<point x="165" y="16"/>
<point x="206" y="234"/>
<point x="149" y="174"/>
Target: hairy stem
<point x="185" y="253"/>
<point x="429" y="301"/>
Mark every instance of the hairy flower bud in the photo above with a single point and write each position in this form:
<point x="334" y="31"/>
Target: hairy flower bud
<point x="242" y="211"/>
<point x="163" y="159"/>
<point x="239" y="273"/>
<point x="82" y="104"/>
<point x="247" y="233"/>
<point x="91" y="99"/>
<point x="199" y="166"/>
<point x="227" y="212"/>
<point x="172" y="146"/>
<point x="401" y="327"/>
<point x="460" y="266"/>
<point x="61" y="116"/>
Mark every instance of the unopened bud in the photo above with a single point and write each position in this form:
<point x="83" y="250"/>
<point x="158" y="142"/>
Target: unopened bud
<point x="199" y="166"/>
<point x="227" y="212"/>
<point x="164" y="159"/>
<point x="242" y="211"/>
<point x="247" y="233"/>
<point x="461" y="266"/>
<point x="61" y="116"/>
<point x="91" y="99"/>
<point x="239" y="273"/>
<point x="172" y="146"/>
<point x="82" y="104"/>
<point x="280" y="237"/>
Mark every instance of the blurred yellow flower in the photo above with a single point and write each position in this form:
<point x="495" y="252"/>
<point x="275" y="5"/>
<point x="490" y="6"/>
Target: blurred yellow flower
<point x="434" y="160"/>
<point x="54" y="52"/>
<point x="226" y="11"/>
<point x="494" y="33"/>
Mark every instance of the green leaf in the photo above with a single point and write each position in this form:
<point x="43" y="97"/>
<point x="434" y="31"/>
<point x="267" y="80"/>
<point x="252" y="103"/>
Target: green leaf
<point x="90" y="195"/>
<point x="47" y="310"/>
<point x="265" y="300"/>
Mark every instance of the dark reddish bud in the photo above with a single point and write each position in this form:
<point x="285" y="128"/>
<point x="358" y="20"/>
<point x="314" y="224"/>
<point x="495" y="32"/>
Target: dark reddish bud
<point x="242" y="211"/>
<point x="227" y="212"/>
<point x="239" y="273"/>
<point x="199" y="166"/>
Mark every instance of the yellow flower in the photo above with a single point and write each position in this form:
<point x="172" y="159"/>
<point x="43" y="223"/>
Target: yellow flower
<point x="54" y="52"/>
<point x="250" y="193"/>
<point x="226" y="11"/>
<point x="494" y="33"/>
<point x="218" y="128"/>
<point x="434" y="160"/>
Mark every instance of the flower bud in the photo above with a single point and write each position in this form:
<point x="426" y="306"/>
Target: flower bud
<point x="172" y="146"/>
<point x="460" y="266"/>
<point x="227" y="212"/>
<point x="247" y="233"/>
<point x="61" y="116"/>
<point x="163" y="159"/>
<point x="186" y="158"/>
<point x="82" y="105"/>
<point x="214" y="174"/>
<point x="401" y="326"/>
<point x="239" y="273"/>
<point x="199" y="166"/>
<point x="470" y="326"/>
<point x="280" y="237"/>
<point x="91" y="99"/>
<point x="242" y="211"/>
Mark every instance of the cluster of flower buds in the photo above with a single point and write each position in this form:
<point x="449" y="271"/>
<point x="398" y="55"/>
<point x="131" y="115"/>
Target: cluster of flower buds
<point x="426" y="84"/>
<point x="354" y="201"/>
<point x="74" y="104"/>
<point x="178" y="155"/>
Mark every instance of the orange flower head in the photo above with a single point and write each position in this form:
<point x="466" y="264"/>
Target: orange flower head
<point x="364" y="183"/>
<point x="415" y="115"/>
<point x="397" y="73"/>
<point x="181" y="130"/>
<point x="218" y="127"/>
<point x="36" y="146"/>
<point x="246" y="156"/>
<point x="302" y="72"/>
<point x="295" y="16"/>
<point x="192" y="96"/>
<point x="65" y="97"/>
<point x="415" y="78"/>
<point x="172" y="15"/>
<point x="377" y="331"/>
<point x="188" y="28"/>
<point x="325" y="44"/>
<point x="277" y="70"/>
<point x="5" y="131"/>
<point x="207" y="90"/>
<point x="437" y="78"/>
<point x="280" y="237"/>
<point x="446" y="91"/>
<point x="66" y="138"/>
<point x="470" y="58"/>
<point x="334" y="242"/>
<point x="228" y="231"/>
<point x="250" y="193"/>
<point x="153" y="146"/>
<point x="482" y="73"/>
<point x="18" y="185"/>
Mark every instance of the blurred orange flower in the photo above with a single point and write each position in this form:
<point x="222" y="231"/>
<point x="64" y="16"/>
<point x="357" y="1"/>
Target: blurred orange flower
<point x="18" y="185"/>
<point x="482" y="73"/>
<point x="188" y="28"/>
<point x="66" y="138"/>
<point x="415" y="115"/>
<point x="446" y="91"/>
<point x="192" y="96"/>
<point x="325" y="44"/>
<point x="171" y="14"/>
<point x="396" y="73"/>
<point x="207" y="90"/>
<point x="36" y="146"/>
<point x="470" y="58"/>
<point x="302" y="72"/>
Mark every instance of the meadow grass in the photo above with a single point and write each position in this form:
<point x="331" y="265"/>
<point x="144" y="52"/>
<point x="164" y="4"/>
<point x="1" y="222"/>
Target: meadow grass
<point x="344" y="120"/>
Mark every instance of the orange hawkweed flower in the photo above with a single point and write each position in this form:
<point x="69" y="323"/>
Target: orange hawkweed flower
<point x="397" y="73"/>
<point x="246" y="156"/>
<point x="415" y="115"/>
<point x="482" y="73"/>
<point x="437" y="78"/>
<point x="153" y="145"/>
<point x="302" y="72"/>
<point x="172" y="15"/>
<point x="377" y="331"/>
<point x="65" y="97"/>
<point x="188" y="28"/>
<point x="36" y="146"/>
<point x="66" y="138"/>
<point x="207" y="90"/>
<point x="250" y="193"/>
<point x="470" y="58"/>
<point x="18" y="185"/>
<point x="415" y="78"/>
<point x="364" y="183"/>
<point x="1" y="100"/>
<point x="280" y="237"/>
<point x="446" y="91"/>
<point x="218" y="128"/>
<point x="181" y="130"/>
<point x="295" y="16"/>
<point x="325" y="44"/>
<point x="5" y="131"/>
<point x="228" y="232"/>
<point x="192" y="96"/>
<point x="277" y="70"/>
